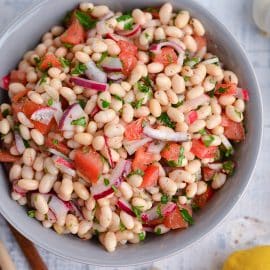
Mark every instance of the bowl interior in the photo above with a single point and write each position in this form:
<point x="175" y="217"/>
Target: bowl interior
<point x="26" y="32"/>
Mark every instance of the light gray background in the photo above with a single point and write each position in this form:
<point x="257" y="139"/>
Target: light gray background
<point x="248" y="223"/>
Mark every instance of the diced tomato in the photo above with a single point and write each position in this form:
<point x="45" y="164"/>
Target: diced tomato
<point x="19" y="96"/>
<point x="154" y="222"/>
<point x="7" y="157"/>
<point x="191" y="117"/>
<point x="134" y="130"/>
<point x="171" y="151"/>
<point x="201" y="200"/>
<point x="129" y="62"/>
<point x="59" y="146"/>
<point x="166" y="57"/>
<point x="233" y="130"/>
<point x="127" y="47"/>
<point x="201" y="151"/>
<point x="49" y="60"/>
<point x="150" y="177"/>
<point x="208" y="173"/>
<point x="245" y="94"/>
<point x="225" y="121"/>
<point x="5" y="81"/>
<point x="226" y="89"/>
<point x="174" y="220"/>
<point x="18" y="76"/>
<point x="201" y="42"/>
<point x="142" y="159"/>
<point x="89" y="164"/>
<point x="75" y="34"/>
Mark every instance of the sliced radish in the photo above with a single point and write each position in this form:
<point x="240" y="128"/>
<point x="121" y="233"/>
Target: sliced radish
<point x="64" y="165"/>
<point x="156" y="48"/>
<point x="131" y="33"/>
<point x="99" y="190"/>
<point x="58" y="112"/>
<point x="58" y="208"/>
<point x="117" y="172"/>
<point x="5" y="81"/>
<point x="115" y="37"/>
<point x="193" y="104"/>
<point x="112" y="64"/>
<point x="94" y="73"/>
<point x="73" y="112"/>
<point x="57" y="153"/>
<point x="43" y="115"/>
<point x="191" y="117"/>
<point x="133" y="146"/>
<point x="215" y="166"/>
<point x="126" y="207"/>
<point x="156" y="147"/>
<point x="242" y="94"/>
<point x="116" y="76"/>
<point x="156" y="211"/>
<point x="89" y="84"/>
<point x="94" y="111"/>
<point x="19" y="142"/>
<point x="164" y="135"/>
<point x="108" y="153"/>
<point x="210" y="61"/>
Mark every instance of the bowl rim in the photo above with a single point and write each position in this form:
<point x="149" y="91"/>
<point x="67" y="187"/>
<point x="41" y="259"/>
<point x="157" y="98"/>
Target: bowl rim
<point x="35" y="5"/>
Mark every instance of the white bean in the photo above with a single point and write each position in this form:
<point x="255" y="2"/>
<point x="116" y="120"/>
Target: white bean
<point x="167" y="185"/>
<point x="127" y="220"/>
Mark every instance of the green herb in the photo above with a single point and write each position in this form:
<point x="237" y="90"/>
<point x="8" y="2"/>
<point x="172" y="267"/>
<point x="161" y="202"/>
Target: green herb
<point x="103" y="56"/>
<point x="124" y="17"/>
<point x="158" y="231"/>
<point x="67" y="45"/>
<point x="211" y="93"/>
<point x="43" y="78"/>
<point x="178" y="104"/>
<point x="228" y="152"/>
<point x="79" y="69"/>
<point x="96" y="232"/>
<point x="85" y="20"/>
<point x="146" y="35"/>
<point x="221" y="90"/>
<point x="122" y="226"/>
<point x="117" y="97"/>
<point x="208" y="139"/>
<point x="164" y="199"/>
<point x="105" y="104"/>
<point x="26" y="143"/>
<point x="114" y="188"/>
<point x="137" y="172"/>
<point x="67" y="17"/>
<point x="186" y="78"/>
<point x="128" y="25"/>
<point x="143" y="88"/>
<point x="195" y="207"/>
<point x="152" y="10"/>
<point x="202" y="131"/>
<point x="137" y="104"/>
<point x="191" y="61"/>
<point x="178" y="163"/>
<point x="64" y="62"/>
<point x="159" y="213"/>
<point x="5" y="112"/>
<point x="106" y="181"/>
<point x="50" y="102"/>
<point x="228" y="167"/>
<point x="37" y="60"/>
<point x="55" y="142"/>
<point x="82" y="103"/>
<point x="186" y="216"/>
<point x="79" y="122"/>
<point x="31" y="213"/>
<point x="137" y="210"/>
<point x="165" y="119"/>
<point x="141" y="236"/>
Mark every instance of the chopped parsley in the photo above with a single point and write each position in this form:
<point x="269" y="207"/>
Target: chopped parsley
<point x="128" y="25"/>
<point x="114" y="188"/>
<point x="186" y="78"/>
<point x="106" y="181"/>
<point x="228" y="167"/>
<point x="96" y="232"/>
<point x="124" y="17"/>
<point x="178" y="104"/>
<point x="146" y="35"/>
<point x="79" y="69"/>
<point x="31" y="213"/>
<point x="191" y="61"/>
<point x="228" y="152"/>
<point x="67" y="18"/>
<point x="85" y="20"/>
<point x="159" y="213"/>
<point x="221" y="90"/>
<point x="105" y="104"/>
<point x="121" y="227"/>
<point x="178" y="163"/>
<point x="141" y="236"/>
<point x="164" y="199"/>
<point x="26" y="143"/>
<point x="208" y="139"/>
<point x="137" y="104"/>
<point x="50" y="102"/>
<point x="186" y="216"/>
<point x="82" y="103"/>
<point x="43" y="78"/>
<point x="195" y="207"/>
<point x="67" y="45"/>
<point x="117" y="97"/>
<point x="137" y="210"/>
<point x="79" y="122"/>
<point x="165" y="119"/>
<point x="211" y="93"/>
<point x="137" y="172"/>
<point x="55" y="142"/>
<point x="202" y="131"/>
<point x="145" y="85"/>
<point x="5" y="112"/>
<point x="103" y="56"/>
<point x="37" y="60"/>
<point x="158" y="231"/>
<point x="64" y="62"/>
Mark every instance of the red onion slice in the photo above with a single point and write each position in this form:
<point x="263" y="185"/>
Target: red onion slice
<point x="133" y="146"/>
<point x="51" y="216"/>
<point x="18" y="189"/>
<point x="95" y="111"/>
<point x="57" y="153"/>
<point x="58" y="112"/>
<point x="99" y="190"/>
<point x="226" y="142"/>
<point x="58" y="208"/>
<point x="89" y="84"/>
<point x="112" y="64"/>
<point x="19" y="142"/>
<point x="108" y="153"/>
<point x="193" y="104"/>
<point x="5" y="81"/>
<point x="116" y="76"/>
<point x="156" y="147"/>
<point x="43" y="115"/>
<point x="131" y="33"/>
<point x="117" y="173"/>
<point x="164" y="135"/>
<point x="73" y="112"/>
<point x="115" y="37"/>
<point x="64" y="165"/>
<point x="125" y="206"/>
<point x="94" y="73"/>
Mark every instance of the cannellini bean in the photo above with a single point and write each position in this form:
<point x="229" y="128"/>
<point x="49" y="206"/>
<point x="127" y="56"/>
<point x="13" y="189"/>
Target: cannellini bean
<point x="138" y="16"/>
<point x="182" y="19"/>
<point x="67" y="93"/>
<point x="28" y="184"/>
<point x="46" y="183"/>
<point x="239" y="105"/>
<point x="15" y="172"/>
<point x="216" y="108"/>
<point x="178" y="84"/>
<point x="98" y="142"/>
<point x="230" y="77"/>
<point x="35" y="97"/>
<point x="123" y="236"/>
<point x="165" y="13"/>
<point x="182" y="176"/>
<point x="82" y="57"/>
<point x="135" y="180"/>
<point x="24" y="120"/>
<point x="127" y="220"/>
<point x="15" y="88"/>
<point x="128" y="113"/>
<point x="111" y="130"/>
<point x="214" y="70"/>
<point x="198" y="27"/>
<point x="218" y="130"/>
<point x="85" y="6"/>
<point x="110" y="241"/>
<point x="84" y="227"/>
<point x="155" y="67"/>
<point x="161" y="229"/>
<point x="126" y="190"/>
<point x="213" y="121"/>
<point x="143" y="111"/>
<point x="83" y="138"/>
<point x="201" y="187"/>
<point x="190" y="43"/>
<point x="159" y="34"/>
<point x="99" y="11"/>
<point x="92" y="127"/>
<point x="196" y="126"/>
<point x="155" y="107"/>
<point x="140" y="202"/>
<point x="105" y="116"/>
<point x="195" y="92"/>
<point x="161" y="97"/>
<point x="117" y="89"/>
<point x="72" y="223"/>
<point x="191" y="190"/>
<point x="66" y="187"/>
<point x="29" y="156"/>
<point x="193" y="166"/>
<point x="27" y="172"/>
<point x="4" y="126"/>
<point x="40" y="204"/>
<point x="225" y="100"/>
<point x="105" y="216"/>
<point x="175" y="115"/>
<point x="115" y="222"/>
<point x="209" y="83"/>
<point x="167" y="185"/>
<point x="173" y="31"/>
<point x="234" y="114"/>
<point x="172" y="69"/>
<point x="163" y="82"/>
<point x="37" y="137"/>
<point x="204" y="112"/>
<point x="218" y="180"/>
<point x="81" y="190"/>
<point x="146" y="36"/>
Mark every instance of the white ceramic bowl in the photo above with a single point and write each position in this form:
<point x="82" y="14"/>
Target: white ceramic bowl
<point x="26" y="31"/>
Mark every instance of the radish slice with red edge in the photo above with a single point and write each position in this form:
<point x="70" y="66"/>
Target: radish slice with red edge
<point x="5" y="81"/>
<point x="156" y="211"/>
<point x="156" y="147"/>
<point x="99" y="190"/>
<point x="112" y="64"/>
<point x="58" y="208"/>
<point x="131" y="33"/>
<point x="116" y="76"/>
<point x="115" y="37"/>
<point x="126" y="207"/>
<point x="156" y="48"/>
<point x="193" y="104"/>
<point x="94" y="73"/>
<point x="242" y="94"/>
<point x="164" y="135"/>
<point x="132" y="146"/>
<point x="73" y="112"/>
<point x="19" y="142"/>
<point x="64" y="165"/>
<point x="43" y="115"/>
<point x="93" y="85"/>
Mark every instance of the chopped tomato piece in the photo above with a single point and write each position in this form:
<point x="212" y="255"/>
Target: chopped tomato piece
<point x="166" y="57"/>
<point x="233" y="130"/>
<point x="129" y="62"/>
<point x="59" y="146"/>
<point x="174" y="220"/>
<point x="18" y="76"/>
<point x="208" y="173"/>
<point x="5" y="81"/>
<point x="19" y="95"/>
<point x="191" y="117"/>
<point x="154" y="222"/>
<point x="134" y="130"/>
<point x="75" y="34"/>
<point x="201" y="200"/>
<point x="127" y="47"/>
<point x="226" y="89"/>
<point x="150" y="177"/>
<point x="7" y="157"/>
<point x="49" y="60"/>
<point x="201" y="42"/>
<point x="89" y="164"/>
<point x="225" y="121"/>
<point x="171" y="151"/>
<point x="201" y="151"/>
<point x="142" y="159"/>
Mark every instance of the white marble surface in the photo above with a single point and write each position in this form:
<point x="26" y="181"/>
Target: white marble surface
<point x="249" y="222"/>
